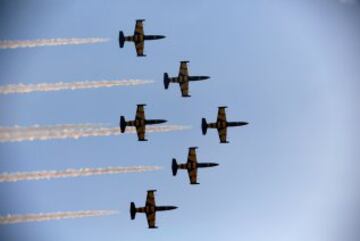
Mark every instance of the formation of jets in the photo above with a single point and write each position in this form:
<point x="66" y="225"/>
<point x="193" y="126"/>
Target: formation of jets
<point x="140" y="122"/>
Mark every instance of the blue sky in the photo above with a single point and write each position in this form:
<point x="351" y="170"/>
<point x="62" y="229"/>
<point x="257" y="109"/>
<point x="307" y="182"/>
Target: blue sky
<point x="290" y="68"/>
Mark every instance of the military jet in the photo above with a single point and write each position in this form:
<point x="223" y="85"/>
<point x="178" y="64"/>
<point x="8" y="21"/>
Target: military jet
<point x="221" y="124"/>
<point x="138" y="38"/>
<point x="150" y="209"/>
<point x="183" y="79"/>
<point x="191" y="165"/>
<point x="139" y="122"/>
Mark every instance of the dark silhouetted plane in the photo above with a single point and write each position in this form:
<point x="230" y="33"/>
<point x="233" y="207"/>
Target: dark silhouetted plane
<point x="139" y="122"/>
<point x="138" y="38"/>
<point x="182" y="79"/>
<point x="150" y="209"/>
<point x="221" y="124"/>
<point x="191" y="165"/>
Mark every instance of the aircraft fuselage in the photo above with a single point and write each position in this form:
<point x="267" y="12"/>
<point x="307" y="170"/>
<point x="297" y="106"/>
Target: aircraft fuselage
<point x="139" y="122"/>
<point x="137" y="38"/>
<point x="194" y="165"/>
<point x="224" y="124"/>
<point x="149" y="209"/>
<point x="183" y="79"/>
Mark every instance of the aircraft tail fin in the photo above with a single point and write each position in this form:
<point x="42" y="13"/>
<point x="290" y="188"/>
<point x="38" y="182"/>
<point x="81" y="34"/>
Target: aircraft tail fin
<point x="132" y="210"/>
<point x="174" y="166"/>
<point x="122" y="124"/>
<point x="121" y="39"/>
<point x="204" y="126"/>
<point x="166" y="81"/>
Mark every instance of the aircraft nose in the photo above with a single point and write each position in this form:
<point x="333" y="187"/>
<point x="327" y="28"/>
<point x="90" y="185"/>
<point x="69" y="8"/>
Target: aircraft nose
<point x="173" y="207"/>
<point x="216" y="164"/>
<point x="245" y="123"/>
<point x="163" y="121"/>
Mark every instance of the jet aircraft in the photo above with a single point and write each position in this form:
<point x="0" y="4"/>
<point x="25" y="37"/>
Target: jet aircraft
<point x="191" y="165"/>
<point x="182" y="79"/>
<point x="139" y="122"/>
<point x="138" y="38"/>
<point x="150" y="209"/>
<point x="221" y="124"/>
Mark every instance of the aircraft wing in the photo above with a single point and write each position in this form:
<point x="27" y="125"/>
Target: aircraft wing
<point x="184" y="87"/>
<point x="140" y="115"/>
<point x="183" y="71"/>
<point x="150" y="202"/>
<point x="193" y="176"/>
<point x="193" y="171"/>
<point x="192" y="155"/>
<point x="150" y="198"/>
<point x="140" y="131"/>
<point x="140" y="112"/>
<point x="222" y="134"/>
<point x="139" y="28"/>
<point x="151" y="219"/>
<point x="139" y="46"/>
<point x="221" y="114"/>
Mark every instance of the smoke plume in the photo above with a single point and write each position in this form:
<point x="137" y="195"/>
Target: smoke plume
<point x="41" y="217"/>
<point x="40" y="175"/>
<point x="46" y="87"/>
<point x="13" y="44"/>
<point x="72" y="131"/>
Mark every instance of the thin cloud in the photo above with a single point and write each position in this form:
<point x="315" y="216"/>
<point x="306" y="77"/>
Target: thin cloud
<point x="348" y="1"/>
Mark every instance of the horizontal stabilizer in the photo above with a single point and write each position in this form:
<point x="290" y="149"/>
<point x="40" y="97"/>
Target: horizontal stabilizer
<point x="166" y="81"/>
<point x="174" y="166"/>
<point x="122" y="124"/>
<point x="204" y="126"/>
<point x="132" y="210"/>
<point x="121" y="39"/>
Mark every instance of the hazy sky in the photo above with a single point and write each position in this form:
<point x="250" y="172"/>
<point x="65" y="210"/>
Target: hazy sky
<point x="289" y="68"/>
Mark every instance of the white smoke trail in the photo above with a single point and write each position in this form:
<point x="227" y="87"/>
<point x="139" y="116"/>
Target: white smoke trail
<point x="13" y="44"/>
<point x="29" y="176"/>
<point x="32" y="133"/>
<point x="46" y="87"/>
<point x="40" y="217"/>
